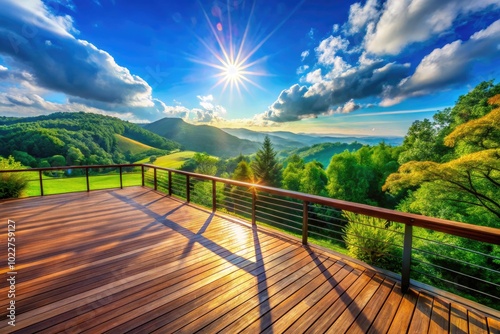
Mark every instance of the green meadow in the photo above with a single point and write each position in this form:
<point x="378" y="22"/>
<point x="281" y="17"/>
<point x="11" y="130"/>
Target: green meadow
<point x="58" y="185"/>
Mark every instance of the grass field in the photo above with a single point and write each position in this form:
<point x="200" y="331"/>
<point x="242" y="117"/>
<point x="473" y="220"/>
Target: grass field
<point x="59" y="185"/>
<point x="126" y="144"/>
<point x="174" y="160"/>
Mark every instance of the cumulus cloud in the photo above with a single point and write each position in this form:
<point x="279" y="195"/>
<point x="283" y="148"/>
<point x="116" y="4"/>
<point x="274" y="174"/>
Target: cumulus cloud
<point x="328" y="48"/>
<point x="404" y="22"/>
<point x="360" y="16"/>
<point x="348" y="107"/>
<point x="447" y="66"/>
<point x="325" y="97"/>
<point x="42" y="43"/>
<point x="209" y="111"/>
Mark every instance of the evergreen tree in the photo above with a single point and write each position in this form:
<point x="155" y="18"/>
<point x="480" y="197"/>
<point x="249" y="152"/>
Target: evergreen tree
<point x="266" y="168"/>
<point x="243" y="172"/>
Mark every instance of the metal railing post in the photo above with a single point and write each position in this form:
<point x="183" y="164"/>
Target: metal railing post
<point x="214" y="196"/>
<point x="121" y="178"/>
<point x="254" y="206"/>
<point x="305" y="222"/>
<point x="87" y="178"/>
<point x="407" y="247"/>
<point x="40" y="174"/>
<point x="155" y="180"/>
<point x="188" y="190"/>
<point x="142" y="175"/>
<point x="169" y="183"/>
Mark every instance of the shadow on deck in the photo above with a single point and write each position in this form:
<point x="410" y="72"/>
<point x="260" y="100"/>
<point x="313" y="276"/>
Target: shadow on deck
<point x="134" y="260"/>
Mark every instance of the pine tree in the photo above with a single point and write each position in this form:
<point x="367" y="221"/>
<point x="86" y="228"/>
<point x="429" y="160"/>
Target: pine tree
<point x="266" y="168"/>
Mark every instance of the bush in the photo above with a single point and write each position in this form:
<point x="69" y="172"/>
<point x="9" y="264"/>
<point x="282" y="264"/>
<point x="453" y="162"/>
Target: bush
<point x="373" y="241"/>
<point x="11" y="184"/>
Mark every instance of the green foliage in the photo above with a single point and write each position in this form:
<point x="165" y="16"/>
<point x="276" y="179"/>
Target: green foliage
<point x="11" y="184"/>
<point x="372" y="240"/>
<point x="57" y="161"/>
<point x="152" y="159"/>
<point x="320" y="152"/>
<point x="24" y="158"/>
<point x="64" y="133"/>
<point x="265" y="166"/>
<point x="243" y="172"/>
<point x="313" y="179"/>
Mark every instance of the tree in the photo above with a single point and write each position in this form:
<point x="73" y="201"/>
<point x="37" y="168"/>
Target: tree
<point x="265" y="166"/>
<point x="293" y="172"/>
<point x="152" y="159"/>
<point x="205" y="164"/>
<point x="243" y="172"/>
<point x="347" y="179"/>
<point x="471" y="178"/>
<point x="74" y="157"/>
<point x="11" y="184"/>
<point x="314" y="179"/>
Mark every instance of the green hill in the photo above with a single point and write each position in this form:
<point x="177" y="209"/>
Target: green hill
<point x="73" y="138"/>
<point x="125" y="144"/>
<point x="321" y="152"/>
<point x="202" y="138"/>
<point x="174" y="160"/>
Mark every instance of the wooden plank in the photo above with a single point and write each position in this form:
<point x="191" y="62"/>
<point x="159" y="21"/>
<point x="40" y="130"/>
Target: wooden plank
<point x="386" y="315"/>
<point x="493" y="325"/>
<point x="421" y="316"/>
<point x="440" y="318"/>
<point x="370" y="311"/>
<point x="336" y="309"/>
<point x="355" y="309"/>
<point x="310" y="300"/>
<point x="458" y="319"/>
<point x="477" y="323"/>
<point x="403" y="316"/>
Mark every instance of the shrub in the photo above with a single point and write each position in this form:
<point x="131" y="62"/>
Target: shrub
<point x="373" y="241"/>
<point x="11" y="184"/>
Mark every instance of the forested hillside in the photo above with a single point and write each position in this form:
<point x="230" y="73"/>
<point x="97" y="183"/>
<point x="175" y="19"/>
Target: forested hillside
<point x="202" y="138"/>
<point x="322" y="153"/>
<point x="72" y="139"/>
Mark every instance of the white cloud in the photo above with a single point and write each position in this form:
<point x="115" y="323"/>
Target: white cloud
<point x="302" y="69"/>
<point x="448" y="66"/>
<point x="299" y="102"/>
<point x="44" y="55"/>
<point x="304" y="55"/>
<point x="314" y="76"/>
<point x="360" y="16"/>
<point x="404" y="22"/>
<point x="328" y="48"/>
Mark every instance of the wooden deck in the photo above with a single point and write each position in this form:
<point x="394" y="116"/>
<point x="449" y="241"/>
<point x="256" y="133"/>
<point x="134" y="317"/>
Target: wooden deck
<point x="133" y="260"/>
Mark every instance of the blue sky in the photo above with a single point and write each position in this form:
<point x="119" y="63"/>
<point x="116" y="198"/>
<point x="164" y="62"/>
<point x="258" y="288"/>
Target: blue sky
<point x="332" y="67"/>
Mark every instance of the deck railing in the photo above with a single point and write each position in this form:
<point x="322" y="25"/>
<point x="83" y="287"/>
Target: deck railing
<point x="437" y="252"/>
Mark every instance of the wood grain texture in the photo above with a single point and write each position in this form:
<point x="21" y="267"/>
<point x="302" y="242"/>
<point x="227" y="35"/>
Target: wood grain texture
<point x="132" y="260"/>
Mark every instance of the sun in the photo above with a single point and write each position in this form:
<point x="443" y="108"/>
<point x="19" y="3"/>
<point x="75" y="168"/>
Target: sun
<point x="233" y="72"/>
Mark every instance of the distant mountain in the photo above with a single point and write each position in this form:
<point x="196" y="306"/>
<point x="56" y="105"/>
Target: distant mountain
<point x="279" y="143"/>
<point x="312" y="139"/>
<point x="202" y="138"/>
<point x="321" y="152"/>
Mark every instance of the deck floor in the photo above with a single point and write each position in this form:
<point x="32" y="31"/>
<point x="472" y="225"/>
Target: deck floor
<point x="135" y="261"/>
